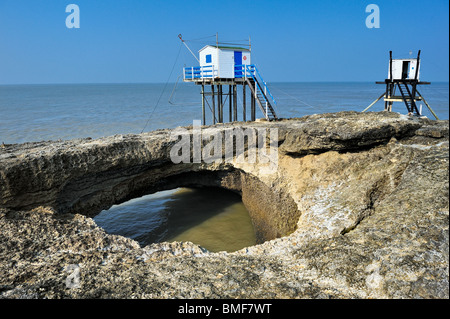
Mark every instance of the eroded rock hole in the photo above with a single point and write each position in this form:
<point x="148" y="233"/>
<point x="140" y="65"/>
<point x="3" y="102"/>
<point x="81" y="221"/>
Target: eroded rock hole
<point x="211" y="217"/>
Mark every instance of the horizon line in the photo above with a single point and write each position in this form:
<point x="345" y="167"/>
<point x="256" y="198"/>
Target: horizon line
<point x="103" y="83"/>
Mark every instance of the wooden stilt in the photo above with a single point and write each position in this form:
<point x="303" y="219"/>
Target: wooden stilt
<point x="213" y="105"/>
<point x="390" y="66"/>
<point x="428" y="106"/>
<point x="218" y="103"/>
<point x="253" y="105"/>
<point x="235" y="116"/>
<point x="244" y="117"/>
<point x="391" y="93"/>
<point x="203" y="105"/>
<point x="387" y="94"/>
<point x="389" y="86"/>
<point x="414" y="87"/>
<point x="221" y="104"/>
<point x="230" y="97"/>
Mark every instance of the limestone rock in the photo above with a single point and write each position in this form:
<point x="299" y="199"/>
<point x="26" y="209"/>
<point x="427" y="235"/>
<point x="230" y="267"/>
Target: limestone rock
<point x="358" y="208"/>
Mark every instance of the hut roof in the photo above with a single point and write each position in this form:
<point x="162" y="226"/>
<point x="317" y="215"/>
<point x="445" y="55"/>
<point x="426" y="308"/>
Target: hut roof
<point x="224" y="47"/>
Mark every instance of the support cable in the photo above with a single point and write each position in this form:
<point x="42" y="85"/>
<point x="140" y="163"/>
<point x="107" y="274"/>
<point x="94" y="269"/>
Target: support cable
<point x="159" y="99"/>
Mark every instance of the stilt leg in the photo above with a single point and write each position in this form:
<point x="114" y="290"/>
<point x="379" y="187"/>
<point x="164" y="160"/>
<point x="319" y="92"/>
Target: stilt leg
<point x="230" y="98"/>
<point x="203" y="105"/>
<point x="213" y="105"/>
<point x="244" y="117"/>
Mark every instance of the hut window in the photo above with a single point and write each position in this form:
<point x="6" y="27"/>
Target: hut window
<point x="208" y="58"/>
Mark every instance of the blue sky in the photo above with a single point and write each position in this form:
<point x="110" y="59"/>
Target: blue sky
<point x="128" y="41"/>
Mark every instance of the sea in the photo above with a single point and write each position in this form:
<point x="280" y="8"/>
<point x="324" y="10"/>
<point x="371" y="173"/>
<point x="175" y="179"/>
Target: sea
<point x="32" y="113"/>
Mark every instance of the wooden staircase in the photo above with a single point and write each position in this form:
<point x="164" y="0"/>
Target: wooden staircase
<point x="408" y="98"/>
<point x="264" y="103"/>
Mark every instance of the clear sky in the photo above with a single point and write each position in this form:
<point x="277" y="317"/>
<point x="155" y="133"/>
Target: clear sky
<point x="123" y="41"/>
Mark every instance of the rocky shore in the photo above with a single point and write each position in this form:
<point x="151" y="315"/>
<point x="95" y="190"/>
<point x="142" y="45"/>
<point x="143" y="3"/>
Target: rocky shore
<point x="358" y="208"/>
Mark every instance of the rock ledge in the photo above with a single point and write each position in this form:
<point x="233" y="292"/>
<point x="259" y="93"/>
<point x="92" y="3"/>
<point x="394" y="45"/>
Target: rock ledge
<point x="358" y="208"/>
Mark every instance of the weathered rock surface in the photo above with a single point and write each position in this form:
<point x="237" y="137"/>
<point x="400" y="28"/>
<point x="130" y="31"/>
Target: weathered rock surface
<point x="358" y="208"/>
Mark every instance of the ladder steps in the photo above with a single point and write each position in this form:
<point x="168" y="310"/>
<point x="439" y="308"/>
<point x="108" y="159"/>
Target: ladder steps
<point x="407" y="97"/>
<point x="262" y="99"/>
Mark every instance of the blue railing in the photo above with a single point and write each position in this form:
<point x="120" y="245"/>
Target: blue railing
<point x="244" y="71"/>
<point x="250" y="71"/>
<point x="199" y="72"/>
<point x="240" y="71"/>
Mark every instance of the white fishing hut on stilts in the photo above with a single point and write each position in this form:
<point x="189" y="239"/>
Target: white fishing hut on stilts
<point x="403" y="74"/>
<point x="228" y="65"/>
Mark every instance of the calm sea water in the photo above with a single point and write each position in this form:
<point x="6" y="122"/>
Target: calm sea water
<point x="215" y="219"/>
<point x="52" y="112"/>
